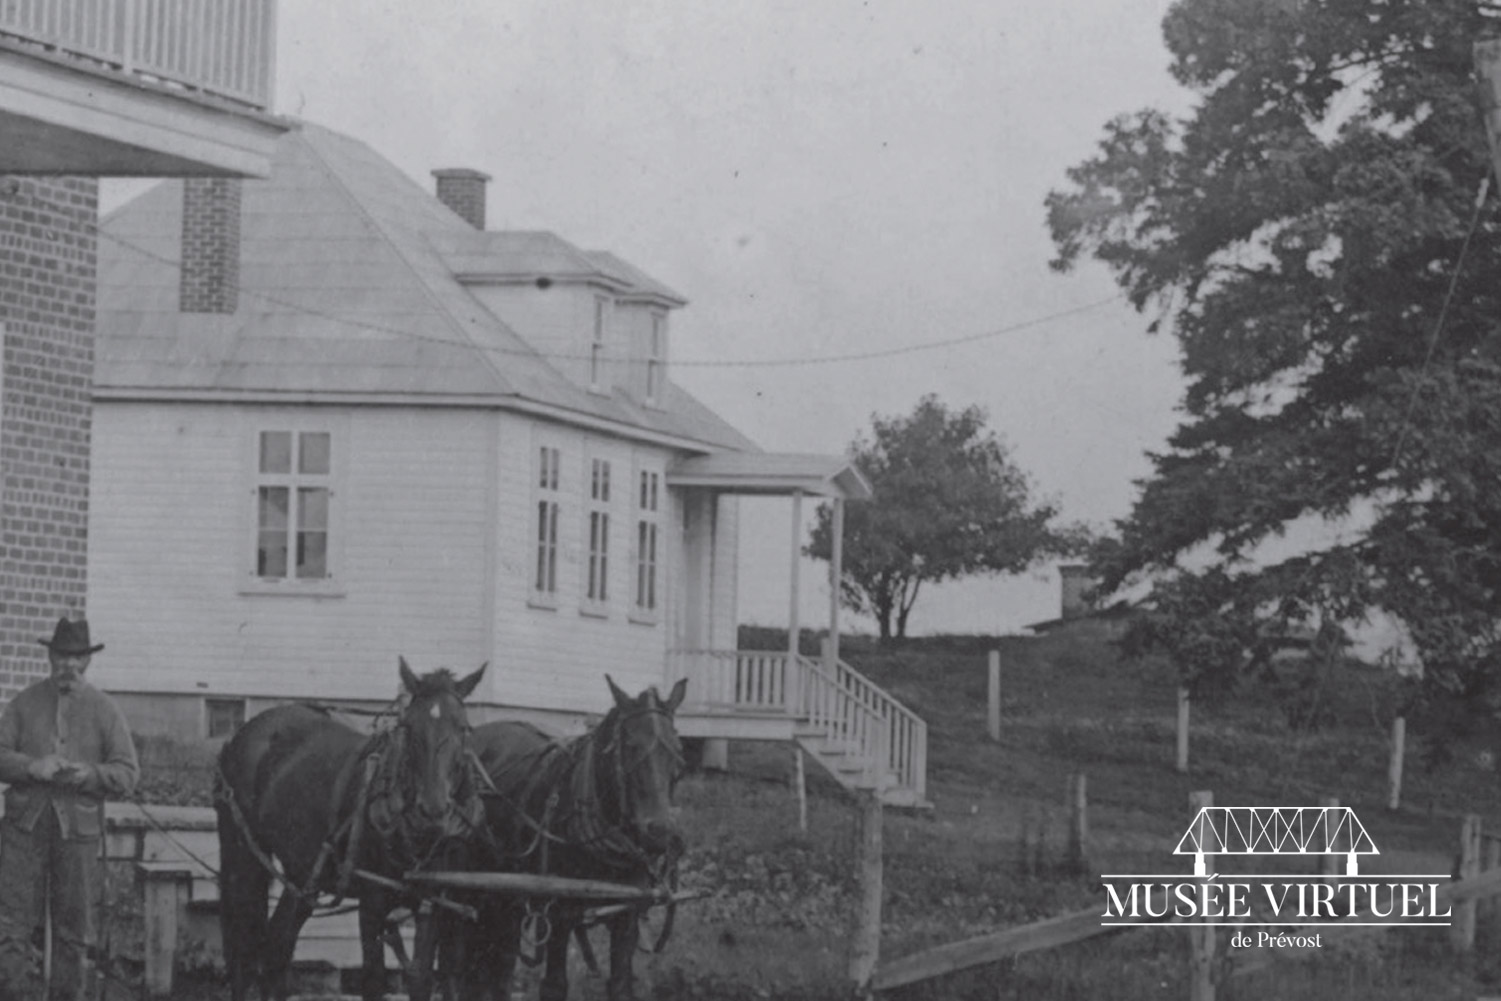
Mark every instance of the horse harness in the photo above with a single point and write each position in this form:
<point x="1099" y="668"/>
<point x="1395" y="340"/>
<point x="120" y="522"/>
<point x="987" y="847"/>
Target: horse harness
<point x="585" y="826"/>
<point x="381" y="799"/>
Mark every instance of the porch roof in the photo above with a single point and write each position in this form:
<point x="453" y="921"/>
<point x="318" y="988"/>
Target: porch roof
<point x="777" y="473"/>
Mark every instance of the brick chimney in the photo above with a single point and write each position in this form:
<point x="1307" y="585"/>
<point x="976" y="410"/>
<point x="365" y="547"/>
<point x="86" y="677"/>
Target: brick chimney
<point x="210" y="245"/>
<point x="463" y="190"/>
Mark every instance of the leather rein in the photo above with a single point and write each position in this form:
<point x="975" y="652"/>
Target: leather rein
<point x="586" y="825"/>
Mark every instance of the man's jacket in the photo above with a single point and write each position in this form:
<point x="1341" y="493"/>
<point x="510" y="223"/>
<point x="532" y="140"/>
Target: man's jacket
<point x="81" y="724"/>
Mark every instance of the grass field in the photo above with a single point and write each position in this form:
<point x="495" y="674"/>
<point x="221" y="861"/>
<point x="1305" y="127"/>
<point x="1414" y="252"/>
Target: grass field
<point x="991" y="853"/>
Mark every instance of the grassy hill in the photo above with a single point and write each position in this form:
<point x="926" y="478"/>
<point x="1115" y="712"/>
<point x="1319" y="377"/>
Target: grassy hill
<point x="991" y="853"/>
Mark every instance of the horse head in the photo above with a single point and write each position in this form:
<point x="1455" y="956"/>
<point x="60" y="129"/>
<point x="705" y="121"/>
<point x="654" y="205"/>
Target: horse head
<point x="648" y="761"/>
<point x="433" y="763"/>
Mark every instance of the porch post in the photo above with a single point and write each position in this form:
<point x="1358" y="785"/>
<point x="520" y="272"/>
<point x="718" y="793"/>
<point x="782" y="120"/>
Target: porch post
<point x="793" y="625"/>
<point x="836" y="573"/>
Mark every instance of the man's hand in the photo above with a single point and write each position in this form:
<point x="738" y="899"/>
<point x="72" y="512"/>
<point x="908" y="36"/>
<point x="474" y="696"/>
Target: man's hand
<point x="72" y="774"/>
<point x="45" y="769"/>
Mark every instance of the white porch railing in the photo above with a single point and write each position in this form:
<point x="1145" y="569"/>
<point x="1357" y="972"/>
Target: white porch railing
<point x="853" y="714"/>
<point x="220" y="47"/>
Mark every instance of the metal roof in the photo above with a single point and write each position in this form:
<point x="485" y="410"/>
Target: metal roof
<point x="772" y="473"/>
<point x="350" y="285"/>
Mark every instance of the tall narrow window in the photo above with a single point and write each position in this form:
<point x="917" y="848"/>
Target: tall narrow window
<point x="656" y="360"/>
<point x="647" y="519"/>
<point x="597" y="343"/>
<point x="292" y="505"/>
<point x="597" y="591"/>
<point x="548" y="493"/>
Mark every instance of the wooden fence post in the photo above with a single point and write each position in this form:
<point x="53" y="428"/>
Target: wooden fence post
<point x="1201" y="937"/>
<point x="1462" y="925"/>
<point x="164" y="891"/>
<point x="1492" y="908"/>
<point x="1394" y="769"/>
<point x="800" y="782"/>
<point x="1182" y="728"/>
<point x="1078" y="825"/>
<point x="1329" y="862"/>
<point x="865" y="940"/>
<point x="993" y="697"/>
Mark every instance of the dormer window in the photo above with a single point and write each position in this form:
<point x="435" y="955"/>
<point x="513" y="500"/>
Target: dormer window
<point x="656" y="359"/>
<point x="597" y="344"/>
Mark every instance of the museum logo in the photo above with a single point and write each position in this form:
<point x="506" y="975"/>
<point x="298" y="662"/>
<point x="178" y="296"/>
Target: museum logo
<point x="1266" y="900"/>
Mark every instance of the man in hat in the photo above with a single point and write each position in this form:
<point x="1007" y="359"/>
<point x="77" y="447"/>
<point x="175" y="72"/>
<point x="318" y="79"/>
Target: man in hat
<point x="64" y="747"/>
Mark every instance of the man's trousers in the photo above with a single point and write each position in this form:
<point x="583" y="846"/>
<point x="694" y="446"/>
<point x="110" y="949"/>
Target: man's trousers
<point x="34" y="865"/>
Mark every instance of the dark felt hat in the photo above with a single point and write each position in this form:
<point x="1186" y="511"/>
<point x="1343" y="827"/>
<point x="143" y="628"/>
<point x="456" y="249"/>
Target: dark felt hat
<point x="71" y="638"/>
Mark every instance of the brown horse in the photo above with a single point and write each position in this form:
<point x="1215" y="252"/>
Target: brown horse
<point x="594" y="807"/>
<point x="303" y="792"/>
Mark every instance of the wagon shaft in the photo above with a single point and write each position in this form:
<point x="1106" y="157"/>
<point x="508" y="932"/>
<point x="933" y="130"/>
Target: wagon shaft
<point x="533" y="885"/>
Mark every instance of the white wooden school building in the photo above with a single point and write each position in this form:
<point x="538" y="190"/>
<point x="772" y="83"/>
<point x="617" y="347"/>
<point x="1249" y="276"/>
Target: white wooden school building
<point x="337" y="420"/>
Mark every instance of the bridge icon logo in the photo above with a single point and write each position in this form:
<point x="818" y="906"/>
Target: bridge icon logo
<point x="1276" y="830"/>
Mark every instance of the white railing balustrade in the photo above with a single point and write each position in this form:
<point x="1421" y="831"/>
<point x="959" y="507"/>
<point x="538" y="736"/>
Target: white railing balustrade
<point x="853" y="714"/>
<point x="221" y="47"/>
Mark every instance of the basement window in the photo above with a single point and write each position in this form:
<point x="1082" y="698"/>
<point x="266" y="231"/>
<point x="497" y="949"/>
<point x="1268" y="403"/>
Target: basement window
<point x="224" y="717"/>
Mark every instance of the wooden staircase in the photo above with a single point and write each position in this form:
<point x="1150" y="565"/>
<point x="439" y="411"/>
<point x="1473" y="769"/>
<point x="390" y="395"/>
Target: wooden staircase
<point x="857" y="731"/>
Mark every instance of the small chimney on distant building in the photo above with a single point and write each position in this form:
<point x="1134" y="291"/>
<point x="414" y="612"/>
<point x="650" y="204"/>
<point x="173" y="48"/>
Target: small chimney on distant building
<point x="463" y="190"/>
<point x="210" y="280"/>
<point x="1076" y="582"/>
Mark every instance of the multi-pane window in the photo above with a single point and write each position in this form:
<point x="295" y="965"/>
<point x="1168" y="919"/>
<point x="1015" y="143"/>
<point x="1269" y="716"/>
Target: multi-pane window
<point x="647" y="500"/>
<point x="548" y="494"/>
<point x="597" y="590"/>
<point x="656" y="360"/>
<point x="293" y="488"/>
<point x="597" y="342"/>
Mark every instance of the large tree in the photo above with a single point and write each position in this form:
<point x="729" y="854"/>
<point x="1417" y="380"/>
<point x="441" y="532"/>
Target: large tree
<point x="1310" y="234"/>
<point x="949" y="502"/>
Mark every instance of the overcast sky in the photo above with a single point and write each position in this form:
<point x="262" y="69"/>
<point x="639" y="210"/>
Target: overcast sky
<point x="818" y="177"/>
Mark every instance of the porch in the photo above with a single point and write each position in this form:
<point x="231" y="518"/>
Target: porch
<point x="862" y="736"/>
<point x="151" y="88"/>
<point x="858" y="732"/>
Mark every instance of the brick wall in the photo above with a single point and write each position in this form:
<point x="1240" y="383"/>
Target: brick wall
<point x="47" y="274"/>
<point x="210" y="245"/>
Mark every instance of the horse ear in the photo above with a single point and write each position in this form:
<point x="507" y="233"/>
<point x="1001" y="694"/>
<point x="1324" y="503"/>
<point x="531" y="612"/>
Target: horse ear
<point x="466" y="685"/>
<point x="408" y="679"/>
<point x="675" y="697"/>
<point x="621" y="699"/>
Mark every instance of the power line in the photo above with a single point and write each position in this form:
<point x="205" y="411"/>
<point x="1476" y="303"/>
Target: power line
<point x="786" y="362"/>
<point x="909" y="348"/>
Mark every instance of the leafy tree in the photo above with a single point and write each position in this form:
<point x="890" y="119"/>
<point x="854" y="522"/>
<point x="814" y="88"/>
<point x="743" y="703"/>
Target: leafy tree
<point x="1310" y="233"/>
<point x="949" y="502"/>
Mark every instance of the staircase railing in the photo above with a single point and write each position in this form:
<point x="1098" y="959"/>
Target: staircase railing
<point x="904" y="733"/>
<point x="850" y="710"/>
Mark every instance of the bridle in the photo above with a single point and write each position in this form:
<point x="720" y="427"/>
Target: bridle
<point x="405" y="828"/>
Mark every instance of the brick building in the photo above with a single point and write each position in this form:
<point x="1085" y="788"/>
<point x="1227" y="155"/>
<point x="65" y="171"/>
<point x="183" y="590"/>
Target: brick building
<point x="47" y="265"/>
<point x="78" y="102"/>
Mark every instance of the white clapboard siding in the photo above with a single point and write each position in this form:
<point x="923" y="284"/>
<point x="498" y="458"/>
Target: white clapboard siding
<point x="435" y="549"/>
<point x="170" y="551"/>
<point x="556" y="657"/>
